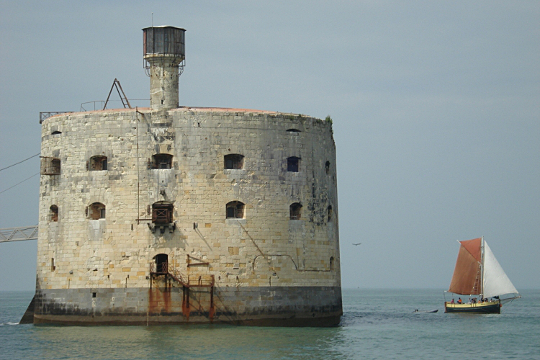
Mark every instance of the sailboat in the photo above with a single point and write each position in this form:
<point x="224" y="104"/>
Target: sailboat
<point x="478" y="272"/>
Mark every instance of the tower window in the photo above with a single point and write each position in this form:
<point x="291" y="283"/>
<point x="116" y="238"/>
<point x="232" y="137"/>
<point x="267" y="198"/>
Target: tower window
<point x="295" y="211"/>
<point x="98" y="162"/>
<point x="235" y="210"/>
<point x="161" y="161"/>
<point x="53" y="213"/>
<point x="327" y="167"/>
<point x="50" y="166"/>
<point x="330" y="213"/>
<point x="293" y="163"/>
<point x="234" y="161"/>
<point x="162" y="213"/>
<point x="96" y="211"/>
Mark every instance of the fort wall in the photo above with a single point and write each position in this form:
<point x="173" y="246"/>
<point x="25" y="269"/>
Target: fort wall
<point x="240" y="205"/>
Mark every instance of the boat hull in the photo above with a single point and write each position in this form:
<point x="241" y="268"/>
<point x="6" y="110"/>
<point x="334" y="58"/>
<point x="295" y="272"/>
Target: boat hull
<point x="488" y="307"/>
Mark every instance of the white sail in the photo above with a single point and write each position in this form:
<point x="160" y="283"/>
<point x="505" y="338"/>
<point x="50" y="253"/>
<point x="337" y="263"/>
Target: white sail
<point x="496" y="282"/>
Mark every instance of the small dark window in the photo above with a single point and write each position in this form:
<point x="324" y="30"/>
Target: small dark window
<point x="56" y="132"/>
<point x="161" y="161"/>
<point x="53" y="267"/>
<point x="96" y="211"/>
<point x="327" y="167"/>
<point x="53" y="213"/>
<point x="162" y="213"/>
<point x="330" y="213"/>
<point x="50" y="166"/>
<point x="235" y="210"/>
<point x="293" y="164"/>
<point x="94" y="294"/>
<point x="293" y="130"/>
<point x="234" y="161"/>
<point x="332" y="263"/>
<point x="98" y="162"/>
<point x="295" y="211"/>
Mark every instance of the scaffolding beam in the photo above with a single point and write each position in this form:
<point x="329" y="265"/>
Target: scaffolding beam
<point x="19" y="234"/>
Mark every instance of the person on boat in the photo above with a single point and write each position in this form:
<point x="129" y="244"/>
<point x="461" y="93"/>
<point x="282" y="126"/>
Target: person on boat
<point x="459" y="301"/>
<point x="451" y="302"/>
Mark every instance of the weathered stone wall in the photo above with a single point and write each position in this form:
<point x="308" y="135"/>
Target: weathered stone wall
<point x="263" y="249"/>
<point x="283" y="306"/>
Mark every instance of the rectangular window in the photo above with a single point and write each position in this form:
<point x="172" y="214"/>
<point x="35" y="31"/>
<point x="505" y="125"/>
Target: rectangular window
<point x="161" y="161"/>
<point x="293" y="164"/>
<point x="234" y="161"/>
<point x="50" y="166"/>
<point x="97" y="163"/>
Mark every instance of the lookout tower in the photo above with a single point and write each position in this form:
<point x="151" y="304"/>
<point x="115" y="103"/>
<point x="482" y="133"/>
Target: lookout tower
<point x="164" y="61"/>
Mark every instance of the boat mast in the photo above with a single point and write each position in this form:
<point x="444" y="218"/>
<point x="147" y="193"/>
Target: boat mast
<point x="482" y="269"/>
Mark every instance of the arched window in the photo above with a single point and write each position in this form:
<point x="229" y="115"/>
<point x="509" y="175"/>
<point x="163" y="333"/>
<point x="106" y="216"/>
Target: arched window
<point x="295" y="211"/>
<point x="235" y="210"/>
<point x="53" y="213"/>
<point x="293" y="131"/>
<point x="234" y="161"/>
<point x="162" y="212"/>
<point x="161" y="161"/>
<point x="95" y="211"/>
<point x="329" y="210"/>
<point x="293" y="164"/>
<point x="97" y="163"/>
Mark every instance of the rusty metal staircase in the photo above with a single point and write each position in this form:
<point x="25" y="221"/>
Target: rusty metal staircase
<point x="164" y="269"/>
<point x="169" y="272"/>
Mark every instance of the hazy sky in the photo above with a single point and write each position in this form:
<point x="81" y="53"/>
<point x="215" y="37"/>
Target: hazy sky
<point x="435" y="107"/>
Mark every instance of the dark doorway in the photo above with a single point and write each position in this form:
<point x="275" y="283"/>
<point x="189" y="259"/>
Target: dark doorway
<point x="162" y="261"/>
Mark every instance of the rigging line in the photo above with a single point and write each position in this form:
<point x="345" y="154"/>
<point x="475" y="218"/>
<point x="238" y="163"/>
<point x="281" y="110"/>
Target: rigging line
<point x="20" y="182"/>
<point x="7" y="167"/>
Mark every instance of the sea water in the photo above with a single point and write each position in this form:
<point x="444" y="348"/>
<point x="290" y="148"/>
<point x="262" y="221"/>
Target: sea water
<point x="376" y="324"/>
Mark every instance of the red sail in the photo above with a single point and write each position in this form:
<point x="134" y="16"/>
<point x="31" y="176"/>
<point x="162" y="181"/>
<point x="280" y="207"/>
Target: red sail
<point x="467" y="274"/>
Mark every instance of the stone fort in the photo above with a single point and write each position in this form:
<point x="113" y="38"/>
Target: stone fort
<point x="178" y="214"/>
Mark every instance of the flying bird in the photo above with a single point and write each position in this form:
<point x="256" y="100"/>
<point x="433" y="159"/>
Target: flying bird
<point x="356" y="244"/>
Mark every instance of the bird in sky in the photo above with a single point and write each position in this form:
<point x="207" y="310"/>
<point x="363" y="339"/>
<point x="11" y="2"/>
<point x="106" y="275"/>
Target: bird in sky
<point x="356" y="244"/>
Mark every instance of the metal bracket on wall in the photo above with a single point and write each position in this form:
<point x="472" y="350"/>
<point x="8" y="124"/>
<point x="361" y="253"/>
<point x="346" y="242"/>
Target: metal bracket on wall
<point x="198" y="262"/>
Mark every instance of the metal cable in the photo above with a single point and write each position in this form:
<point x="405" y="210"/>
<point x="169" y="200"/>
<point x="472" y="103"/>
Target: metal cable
<point x="7" y="167"/>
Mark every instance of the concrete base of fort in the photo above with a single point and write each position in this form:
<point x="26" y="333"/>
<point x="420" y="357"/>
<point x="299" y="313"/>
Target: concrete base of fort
<point x="259" y="306"/>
